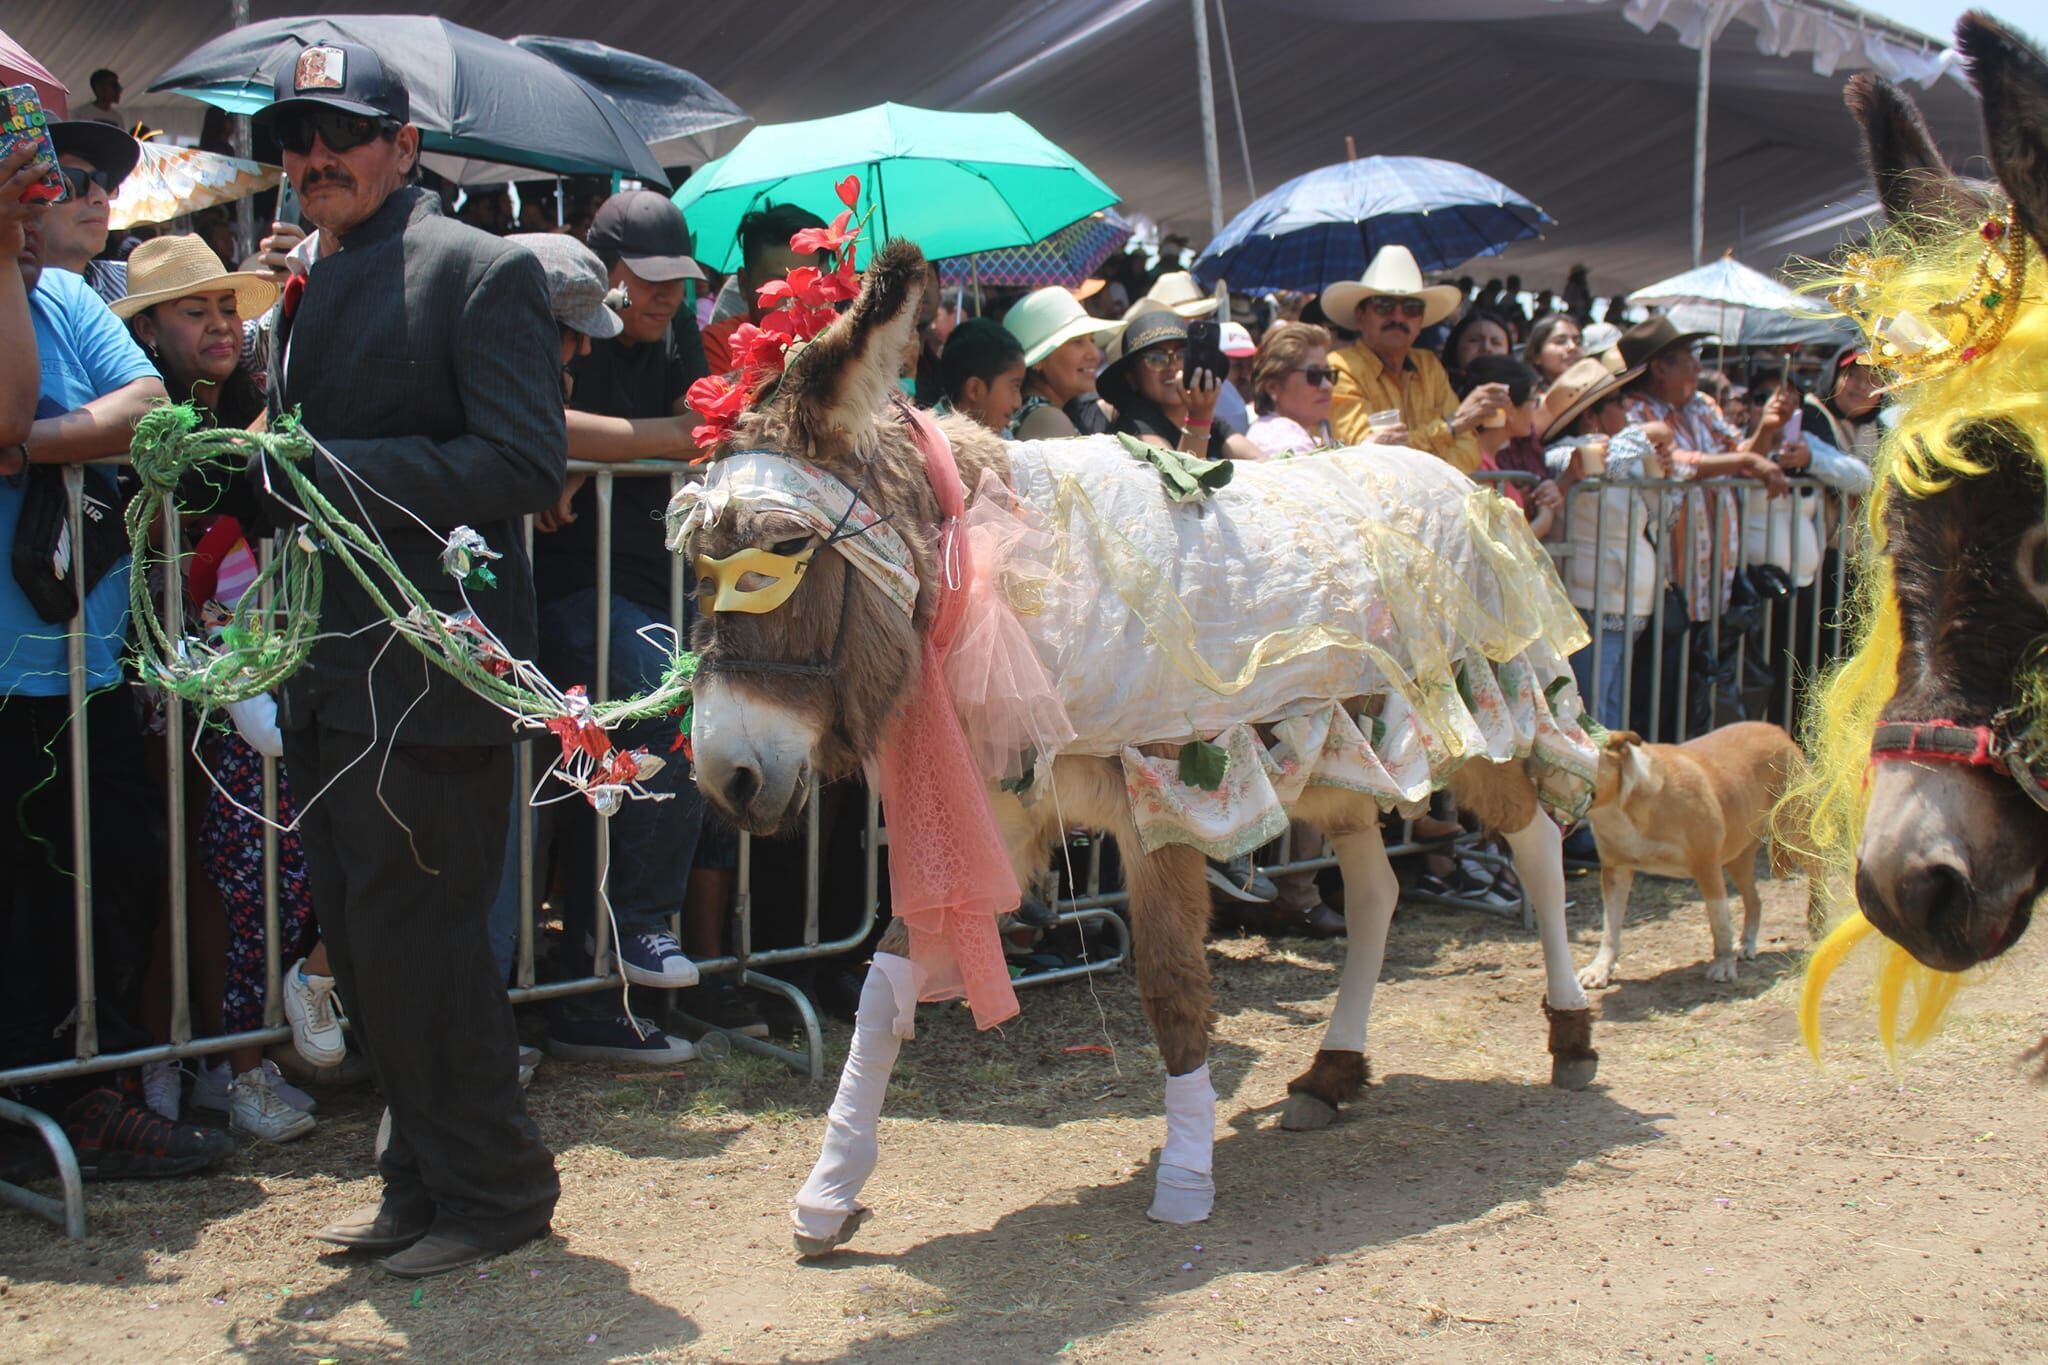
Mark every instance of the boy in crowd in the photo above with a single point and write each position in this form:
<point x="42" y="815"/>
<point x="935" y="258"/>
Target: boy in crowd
<point x="983" y="370"/>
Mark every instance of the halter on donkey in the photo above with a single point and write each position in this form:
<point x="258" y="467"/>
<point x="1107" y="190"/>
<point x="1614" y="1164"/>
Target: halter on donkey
<point x="1427" y="624"/>
<point x="1930" y="742"/>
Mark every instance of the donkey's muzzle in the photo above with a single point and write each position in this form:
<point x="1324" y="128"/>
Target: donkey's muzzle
<point x="1949" y="867"/>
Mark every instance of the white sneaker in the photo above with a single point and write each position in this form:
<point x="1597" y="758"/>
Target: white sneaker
<point x="211" y="1086"/>
<point x="163" y="1086"/>
<point x="529" y="1062"/>
<point x="255" y="1108"/>
<point x="286" y="1091"/>
<point x="316" y="1023"/>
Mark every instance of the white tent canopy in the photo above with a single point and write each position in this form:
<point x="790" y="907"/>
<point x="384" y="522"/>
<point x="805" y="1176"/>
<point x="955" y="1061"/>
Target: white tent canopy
<point x="1571" y="101"/>
<point x="1741" y="306"/>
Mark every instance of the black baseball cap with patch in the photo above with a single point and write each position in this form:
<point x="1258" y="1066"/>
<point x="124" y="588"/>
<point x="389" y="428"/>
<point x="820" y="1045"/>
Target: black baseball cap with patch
<point x="338" y="75"/>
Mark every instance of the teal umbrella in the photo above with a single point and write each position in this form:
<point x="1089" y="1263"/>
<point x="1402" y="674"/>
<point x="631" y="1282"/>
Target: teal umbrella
<point x="953" y="183"/>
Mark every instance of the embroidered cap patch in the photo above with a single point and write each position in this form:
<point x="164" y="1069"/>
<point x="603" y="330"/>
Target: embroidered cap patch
<point x="321" y="68"/>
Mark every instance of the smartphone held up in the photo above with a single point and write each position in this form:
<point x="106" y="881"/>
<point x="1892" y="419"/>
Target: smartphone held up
<point x="22" y="121"/>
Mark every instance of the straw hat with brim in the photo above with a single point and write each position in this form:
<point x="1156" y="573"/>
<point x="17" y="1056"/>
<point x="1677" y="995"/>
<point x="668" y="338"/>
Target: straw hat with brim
<point x="1392" y="274"/>
<point x="1177" y="292"/>
<point x="166" y="268"/>
<point x="1645" y="341"/>
<point x="1046" y="319"/>
<point x="1584" y="383"/>
<point x="1145" y="330"/>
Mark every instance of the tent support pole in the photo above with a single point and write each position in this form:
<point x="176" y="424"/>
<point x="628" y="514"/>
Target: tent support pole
<point x="1708" y="33"/>
<point x="1205" y="84"/>
<point x="245" y="208"/>
<point x="1244" y="143"/>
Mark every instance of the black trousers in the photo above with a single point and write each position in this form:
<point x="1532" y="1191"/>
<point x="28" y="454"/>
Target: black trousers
<point x="38" y="964"/>
<point x="403" y="851"/>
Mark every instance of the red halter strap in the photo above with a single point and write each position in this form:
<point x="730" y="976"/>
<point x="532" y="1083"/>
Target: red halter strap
<point x="1938" y="741"/>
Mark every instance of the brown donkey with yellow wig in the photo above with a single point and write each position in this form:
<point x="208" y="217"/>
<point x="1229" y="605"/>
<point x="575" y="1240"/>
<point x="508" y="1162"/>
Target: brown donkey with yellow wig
<point x="1929" y="743"/>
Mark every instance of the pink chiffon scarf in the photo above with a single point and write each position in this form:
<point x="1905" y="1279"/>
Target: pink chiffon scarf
<point x="949" y="872"/>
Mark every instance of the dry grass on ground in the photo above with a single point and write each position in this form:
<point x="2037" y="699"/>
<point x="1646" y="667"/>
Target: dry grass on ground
<point x="1713" y="1198"/>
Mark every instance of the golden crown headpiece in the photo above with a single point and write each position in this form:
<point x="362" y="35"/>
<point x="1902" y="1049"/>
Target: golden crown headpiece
<point x="1924" y="343"/>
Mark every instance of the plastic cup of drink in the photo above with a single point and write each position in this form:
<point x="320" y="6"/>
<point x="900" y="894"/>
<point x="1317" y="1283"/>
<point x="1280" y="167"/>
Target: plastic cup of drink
<point x="1386" y="419"/>
<point x="1593" y="459"/>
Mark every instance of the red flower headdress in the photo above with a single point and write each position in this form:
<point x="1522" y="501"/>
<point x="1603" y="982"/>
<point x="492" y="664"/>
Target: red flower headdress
<point x="796" y="307"/>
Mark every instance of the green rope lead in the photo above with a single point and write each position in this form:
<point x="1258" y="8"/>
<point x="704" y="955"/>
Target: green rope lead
<point x="255" y="648"/>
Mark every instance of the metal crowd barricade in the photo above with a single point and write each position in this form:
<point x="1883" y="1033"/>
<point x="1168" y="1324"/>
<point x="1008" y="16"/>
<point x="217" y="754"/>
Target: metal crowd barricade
<point x="746" y="963"/>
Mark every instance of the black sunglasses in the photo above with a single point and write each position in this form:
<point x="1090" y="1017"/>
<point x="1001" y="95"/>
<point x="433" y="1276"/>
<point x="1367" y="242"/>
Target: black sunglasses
<point x="80" y="180"/>
<point x="342" y="132"/>
<point x="1386" y="307"/>
<point x="1318" y="375"/>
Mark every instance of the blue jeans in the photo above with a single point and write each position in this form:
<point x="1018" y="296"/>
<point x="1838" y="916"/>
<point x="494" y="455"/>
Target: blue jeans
<point x="1610" y="708"/>
<point x="653" y="843"/>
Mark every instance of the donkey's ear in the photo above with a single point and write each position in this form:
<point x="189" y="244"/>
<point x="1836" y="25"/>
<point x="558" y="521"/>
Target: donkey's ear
<point x="2012" y="81"/>
<point x="1912" y="179"/>
<point x="841" y="381"/>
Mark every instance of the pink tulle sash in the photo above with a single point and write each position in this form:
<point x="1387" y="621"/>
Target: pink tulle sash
<point x="949" y="872"/>
<point x="1006" y="700"/>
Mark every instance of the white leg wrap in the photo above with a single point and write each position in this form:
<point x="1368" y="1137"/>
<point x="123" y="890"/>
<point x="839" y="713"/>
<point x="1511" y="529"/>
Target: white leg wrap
<point x="832" y="1194"/>
<point x="1370" y="893"/>
<point x="1539" y="862"/>
<point x="1184" y="1191"/>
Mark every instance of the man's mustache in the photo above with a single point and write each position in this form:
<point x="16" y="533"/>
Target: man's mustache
<point x="336" y="176"/>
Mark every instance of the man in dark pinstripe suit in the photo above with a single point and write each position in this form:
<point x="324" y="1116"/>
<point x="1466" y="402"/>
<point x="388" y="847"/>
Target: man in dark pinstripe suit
<point x="423" y="356"/>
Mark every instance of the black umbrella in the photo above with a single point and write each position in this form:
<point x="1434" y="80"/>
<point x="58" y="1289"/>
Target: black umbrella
<point x="481" y="104"/>
<point x="671" y="108"/>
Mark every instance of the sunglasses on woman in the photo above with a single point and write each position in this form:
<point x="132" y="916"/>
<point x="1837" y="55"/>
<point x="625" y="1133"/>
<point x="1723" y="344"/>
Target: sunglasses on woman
<point x="342" y="132"/>
<point x="1318" y="375"/>
<point x="1164" y="357"/>
<point x="1386" y="307"/>
<point x="80" y="180"/>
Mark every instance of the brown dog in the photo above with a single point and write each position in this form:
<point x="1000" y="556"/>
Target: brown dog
<point x="1695" y="810"/>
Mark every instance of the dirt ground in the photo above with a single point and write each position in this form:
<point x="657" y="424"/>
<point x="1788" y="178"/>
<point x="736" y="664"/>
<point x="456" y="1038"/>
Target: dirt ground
<point x="1713" y="1198"/>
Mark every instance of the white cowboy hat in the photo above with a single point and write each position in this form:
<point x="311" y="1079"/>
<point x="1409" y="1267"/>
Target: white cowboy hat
<point x="1176" y="291"/>
<point x="1392" y="274"/>
<point x="1046" y="319"/>
<point x="166" y="268"/>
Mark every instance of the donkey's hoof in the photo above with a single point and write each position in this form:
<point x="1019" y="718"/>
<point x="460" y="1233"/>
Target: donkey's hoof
<point x="1305" y="1113"/>
<point x="1181" y="1196"/>
<point x="1573" y="1073"/>
<point x="809" y="1248"/>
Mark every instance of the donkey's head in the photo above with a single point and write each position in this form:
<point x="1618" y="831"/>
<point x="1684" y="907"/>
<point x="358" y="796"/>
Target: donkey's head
<point x="1953" y="853"/>
<point x="811" y="546"/>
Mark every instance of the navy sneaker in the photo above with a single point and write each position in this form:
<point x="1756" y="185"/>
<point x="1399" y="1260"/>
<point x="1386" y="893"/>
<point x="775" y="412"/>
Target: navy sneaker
<point x="117" y="1140"/>
<point x="621" y="1038"/>
<point x="651" y="959"/>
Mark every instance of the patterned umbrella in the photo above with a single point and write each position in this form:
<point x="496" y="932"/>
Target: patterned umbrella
<point x="1067" y="257"/>
<point x="1328" y="224"/>
<point x="170" y="181"/>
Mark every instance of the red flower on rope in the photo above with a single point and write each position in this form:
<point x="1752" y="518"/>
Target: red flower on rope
<point x="848" y="191"/>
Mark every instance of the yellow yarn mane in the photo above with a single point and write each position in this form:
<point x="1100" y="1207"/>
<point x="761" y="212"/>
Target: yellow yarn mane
<point x="1821" y="815"/>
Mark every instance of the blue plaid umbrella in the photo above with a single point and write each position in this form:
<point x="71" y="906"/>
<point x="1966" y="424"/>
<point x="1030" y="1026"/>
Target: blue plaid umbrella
<point x="1327" y="225"/>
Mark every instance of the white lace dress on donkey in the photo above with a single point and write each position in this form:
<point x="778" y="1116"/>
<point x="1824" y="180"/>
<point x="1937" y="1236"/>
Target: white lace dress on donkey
<point x="1364" y="618"/>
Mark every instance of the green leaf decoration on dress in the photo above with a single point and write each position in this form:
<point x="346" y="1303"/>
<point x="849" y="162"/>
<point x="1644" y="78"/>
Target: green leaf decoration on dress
<point x="1202" y="765"/>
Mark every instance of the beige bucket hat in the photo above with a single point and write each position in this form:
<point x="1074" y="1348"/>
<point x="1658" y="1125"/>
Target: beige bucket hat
<point x="1046" y="319"/>
<point x="1177" y="292"/>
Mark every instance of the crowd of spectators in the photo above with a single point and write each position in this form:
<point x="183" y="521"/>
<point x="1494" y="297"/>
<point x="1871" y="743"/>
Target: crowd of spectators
<point x="458" y="347"/>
